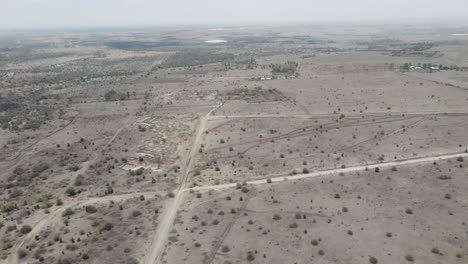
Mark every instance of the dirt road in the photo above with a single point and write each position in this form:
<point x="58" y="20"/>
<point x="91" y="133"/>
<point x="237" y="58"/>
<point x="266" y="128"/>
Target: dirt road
<point x="170" y="213"/>
<point x="327" y="115"/>
<point x="281" y="178"/>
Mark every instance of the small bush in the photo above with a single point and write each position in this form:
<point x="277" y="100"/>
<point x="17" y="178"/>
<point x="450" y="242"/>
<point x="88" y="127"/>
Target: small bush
<point x="71" y="247"/>
<point x="68" y="212"/>
<point x="136" y="213"/>
<point x="107" y="227"/>
<point x="70" y="191"/>
<point x="90" y="209"/>
<point x="25" y="229"/>
<point x="250" y="256"/>
<point x="444" y="177"/>
<point x="22" y="253"/>
<point x="409" y="258"/>
<point x="225" y="249"/>
<point x="276" y="217"/>
<point x="373" y="260"/>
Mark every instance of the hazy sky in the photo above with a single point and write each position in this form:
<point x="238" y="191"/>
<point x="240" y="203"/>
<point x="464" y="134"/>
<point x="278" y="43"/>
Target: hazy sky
<point x="66" y="13"/>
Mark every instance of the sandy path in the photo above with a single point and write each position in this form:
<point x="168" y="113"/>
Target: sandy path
<point x="381" y="165"/>
<point x="170" y="213"/>
<point x="325" y="115"/>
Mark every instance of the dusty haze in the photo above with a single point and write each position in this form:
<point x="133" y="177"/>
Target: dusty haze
<point x="68" y="13"/>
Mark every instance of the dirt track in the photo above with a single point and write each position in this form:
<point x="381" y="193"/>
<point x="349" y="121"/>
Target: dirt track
<point x="170" y="213"/>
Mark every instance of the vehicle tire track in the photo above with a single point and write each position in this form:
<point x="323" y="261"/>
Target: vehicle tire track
<point x="219" y="241"/>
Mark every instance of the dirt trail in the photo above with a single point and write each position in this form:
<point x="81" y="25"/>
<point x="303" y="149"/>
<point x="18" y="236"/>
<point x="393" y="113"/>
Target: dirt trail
<point x="220" y="240"/>
<point x="170" y="213"/>
<point x="381" y="165"/>
<point x="325" y="115"/>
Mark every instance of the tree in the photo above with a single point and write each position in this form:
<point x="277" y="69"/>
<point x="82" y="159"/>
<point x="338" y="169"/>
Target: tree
<point x="406" y="66"/>
<point x="110" y="95"/>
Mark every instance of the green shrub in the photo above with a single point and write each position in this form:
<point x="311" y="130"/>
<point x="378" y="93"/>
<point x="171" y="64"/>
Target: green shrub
<point x="107" y="227"/>
<point x="90" y="209"/>
<point x="68" y="212"/>
<point x="373" y="260"/>
<point x="25" y="229"/>
<point x="70" y="191"/>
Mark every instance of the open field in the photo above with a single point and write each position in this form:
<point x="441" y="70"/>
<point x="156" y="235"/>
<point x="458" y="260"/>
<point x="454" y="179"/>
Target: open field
<point x="288" y="144"/>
